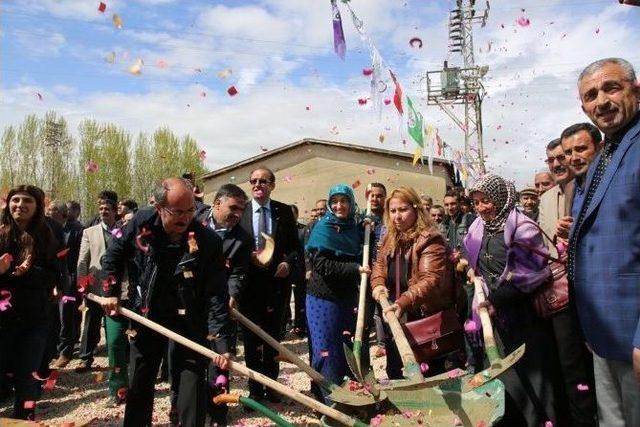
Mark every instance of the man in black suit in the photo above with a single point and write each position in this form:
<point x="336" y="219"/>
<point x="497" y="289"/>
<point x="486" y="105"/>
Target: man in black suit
<point x="268" y="286"/>
<point x="223" y="217"/>
<point x="70" y="316"/>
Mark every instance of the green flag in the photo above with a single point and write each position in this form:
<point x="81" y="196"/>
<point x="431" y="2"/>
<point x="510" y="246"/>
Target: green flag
<point x="415" y="124"/>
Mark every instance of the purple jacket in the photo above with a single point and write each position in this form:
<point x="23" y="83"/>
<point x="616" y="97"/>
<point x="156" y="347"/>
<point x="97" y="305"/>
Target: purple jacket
<point x="525" y="269"/>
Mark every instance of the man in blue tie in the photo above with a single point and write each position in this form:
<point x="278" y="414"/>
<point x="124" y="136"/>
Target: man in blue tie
<point x="269" y="284"/>
<point x="604" y="244"/>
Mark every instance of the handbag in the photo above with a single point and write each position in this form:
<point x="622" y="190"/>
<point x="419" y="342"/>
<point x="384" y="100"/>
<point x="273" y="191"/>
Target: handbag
<point x="552" y="296"/>
<point x="434" y="336"/>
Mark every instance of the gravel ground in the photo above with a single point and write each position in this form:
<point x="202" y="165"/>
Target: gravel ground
<point x="84" y="397"/>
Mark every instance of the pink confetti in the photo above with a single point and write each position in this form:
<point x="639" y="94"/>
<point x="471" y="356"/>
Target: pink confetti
<point x="5" y="297"/>
<point x="470" y="326"/>
<point x="63" y="253"/>
<point x="232" y="91"/>
<point x="288" y="179"/>
<point x="523" y="22"/>
<point x="66" y="299"/>
<point x="122" y="393"/>
<point x="371" y="171"/>
<point x="424" y="367"/>
<point x="139" y="242"/>
<point x="346" y="333"/>
<point x="29" y="404"/>
<point x="377" y="420"/>
<point x="457" y="422"/>
<point x="367" y="71"/>
<point x="362" y="101"/>
<point x="221" y="381"/>
<point x="355" y="184"/>
<point x="117" y="233"/>
<point x="91" y="166"/>
<point x="561" y="246"/>
<point x="162" y="64"/>
<point x="548" y="424"/>
<point x="582" y="387"/>
<point x="102" y="7"/>
<point x="387" y="101"/>
<point x="453" y="373"/>
<point x="324" y="353"/>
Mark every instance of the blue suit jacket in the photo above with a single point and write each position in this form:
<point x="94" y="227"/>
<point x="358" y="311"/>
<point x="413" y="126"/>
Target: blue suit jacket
<point x="607" y="263"/>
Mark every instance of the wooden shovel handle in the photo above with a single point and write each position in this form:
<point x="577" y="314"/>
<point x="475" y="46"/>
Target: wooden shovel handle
<point x="237" y="367"/>
<point x="409" y="361"/>
<point x="487" y="328"/>
<point x="362" y="296"/>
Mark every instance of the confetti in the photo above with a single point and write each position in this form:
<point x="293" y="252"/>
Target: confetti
<point x="561" y="246"/>
<point x="5" y="298"/>
<point x="387" y="101"/>
<point x="122" y="393"/>
<point x="324" y="353"/>
<point x="117" y="21"/>
<point x="221" y="381"/>
<point x="523" y="22"/>
<point x="203" y="94"/>
<point x="102" y="7"/>
<point x="367" y="71"/>
<point x="356" y="184"/>
<point x="582" y="387"/>
<point x="39" y="96"/>
<point x="139" y="242"/>
<point x="470" y="326"/>
<point x="548" y="424"/>
<point x="162" y="64"/>
<point x="63" y="253"/>
<point x="362" y="101"/>
<point x="66" y="298"/>
<point x="381" y="138"/>
<point x="29" y="404"/>
<point x="202" y="155"/>
<point x="232" y="91"/>
<point x="91" y="166"/>
<point x="371" y="171"/>
<point x="224" y="73"/>
<point x="111" y="57"/>
<point x="264" y="149"/>
<point x="288" y="179"/>
<point x="136" y="68"/>
<point x="117" y="233"/>
<point x="377" y="420"/>
<point x="308" y="108"/>
<point x="424" y="367"/>
<point x="192" y="243"/>
<point x="598" y="30"/>
<point x="416" y="42"/>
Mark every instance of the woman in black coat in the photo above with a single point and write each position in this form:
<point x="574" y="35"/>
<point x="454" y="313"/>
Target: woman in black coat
<point x="28" y="271"/>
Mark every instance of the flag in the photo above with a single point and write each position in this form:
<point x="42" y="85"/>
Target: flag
<point x="415" y="123"/>
<point x="439" y="145"/>
<point x="417" y="155"/>
<point x="339" y="44"/>
<point x="397" y="96"/>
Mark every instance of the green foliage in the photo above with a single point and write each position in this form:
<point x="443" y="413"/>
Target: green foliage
<point x="42" y="151"/>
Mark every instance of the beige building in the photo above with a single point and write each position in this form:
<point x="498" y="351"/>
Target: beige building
<point x="307" y="168"/>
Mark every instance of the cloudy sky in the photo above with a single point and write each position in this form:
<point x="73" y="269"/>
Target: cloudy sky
<point x="68" y="56"/>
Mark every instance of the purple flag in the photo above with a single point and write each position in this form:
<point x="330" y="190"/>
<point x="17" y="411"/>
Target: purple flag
<point x="339" y="44"/>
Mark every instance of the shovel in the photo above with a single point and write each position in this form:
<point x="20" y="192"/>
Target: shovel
<point x="354" y="358"/>
<point x="497" y="364"/>
<point x="337" y="394"/>
<point x="239" y="368"/>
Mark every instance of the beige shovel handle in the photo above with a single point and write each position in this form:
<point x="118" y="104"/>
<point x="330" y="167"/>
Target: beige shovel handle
<point x="290" y="355"/>
<point x="237" y="367"/>
<point x="487" y="329"/>
<point x="362" y="295"/>
<point x="409" y="361"/>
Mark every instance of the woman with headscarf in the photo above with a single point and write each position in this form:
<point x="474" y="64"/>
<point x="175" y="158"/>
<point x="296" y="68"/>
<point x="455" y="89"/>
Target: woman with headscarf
<point x="28" y="272"/>
<point x="412" y="269"/>
<point x="334" y="249"/>
<point x="505" y="248"/>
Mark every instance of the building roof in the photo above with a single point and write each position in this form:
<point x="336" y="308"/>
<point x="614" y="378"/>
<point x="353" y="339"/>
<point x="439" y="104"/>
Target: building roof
<point x="264" y="157"/>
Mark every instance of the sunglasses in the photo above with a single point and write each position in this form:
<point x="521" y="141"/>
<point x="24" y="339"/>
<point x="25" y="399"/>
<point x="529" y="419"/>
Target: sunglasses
<point x="260" y="181"/>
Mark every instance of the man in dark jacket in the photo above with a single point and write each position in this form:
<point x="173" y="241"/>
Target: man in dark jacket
<point x="223" y="218"/>
<point x="180" y="285"/>
<point x="457" y="223"/>
<point x="268" y="283"/>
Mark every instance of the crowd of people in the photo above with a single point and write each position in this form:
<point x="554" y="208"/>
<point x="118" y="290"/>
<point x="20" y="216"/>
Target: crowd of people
<point x="187" y="265"/>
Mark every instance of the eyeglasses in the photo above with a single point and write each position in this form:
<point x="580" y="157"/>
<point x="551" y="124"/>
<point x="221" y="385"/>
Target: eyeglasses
<point x="260" y="181"/>
<point x="179" y="212"/>
<point x="561" y="158"/>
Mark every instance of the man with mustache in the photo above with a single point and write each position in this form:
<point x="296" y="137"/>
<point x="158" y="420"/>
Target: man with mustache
<point x="581" y="143"/>
<point x="604" y="260"/>
<point x="268" y="286"/>
<point x="223" y="218"/>
<point x="176" y="279"/>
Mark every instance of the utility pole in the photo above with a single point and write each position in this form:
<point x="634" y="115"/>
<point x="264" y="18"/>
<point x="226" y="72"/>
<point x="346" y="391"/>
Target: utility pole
<point x="462" y="85"/>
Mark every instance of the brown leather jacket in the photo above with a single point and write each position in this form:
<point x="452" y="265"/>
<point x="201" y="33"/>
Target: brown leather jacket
<point x="430" y="278"/>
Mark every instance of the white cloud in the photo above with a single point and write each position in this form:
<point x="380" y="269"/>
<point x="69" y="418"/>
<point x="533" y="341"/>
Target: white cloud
<point x="40" y="43"/>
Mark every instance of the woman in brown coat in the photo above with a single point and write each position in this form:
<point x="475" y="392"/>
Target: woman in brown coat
<point x="412" y="268"/>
